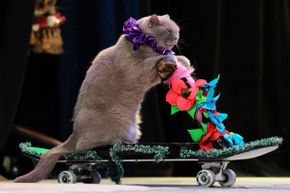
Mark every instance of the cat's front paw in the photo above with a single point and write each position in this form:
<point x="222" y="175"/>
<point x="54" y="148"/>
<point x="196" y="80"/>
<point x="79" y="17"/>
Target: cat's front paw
<point x="165" y="68"/>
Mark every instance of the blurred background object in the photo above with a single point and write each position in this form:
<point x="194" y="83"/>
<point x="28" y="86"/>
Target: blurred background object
<point x="246" y="42"/>
<point x="46" y="32"/>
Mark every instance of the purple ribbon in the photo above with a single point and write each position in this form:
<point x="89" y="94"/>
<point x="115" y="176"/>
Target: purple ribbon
<point x="134" y="34"/>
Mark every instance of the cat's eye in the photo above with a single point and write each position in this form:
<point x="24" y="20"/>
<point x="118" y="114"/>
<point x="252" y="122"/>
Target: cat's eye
<point x="169" y="31"/>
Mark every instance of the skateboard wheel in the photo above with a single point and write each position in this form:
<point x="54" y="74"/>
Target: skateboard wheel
<point x="205" y="178"/>
<point x="67" y="177"/>
<point x="90" y="177"/>
<point x="230" y="178"/>
<point x="96" y="177"/>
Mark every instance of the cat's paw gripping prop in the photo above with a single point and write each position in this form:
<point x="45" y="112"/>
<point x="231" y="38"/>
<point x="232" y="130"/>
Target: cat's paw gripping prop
<point x="165" y="68"/>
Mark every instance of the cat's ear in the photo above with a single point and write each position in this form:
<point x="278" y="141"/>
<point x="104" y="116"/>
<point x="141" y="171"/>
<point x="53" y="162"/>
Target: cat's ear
<point x="166" y="16"/>
<point x="153" y="20"/>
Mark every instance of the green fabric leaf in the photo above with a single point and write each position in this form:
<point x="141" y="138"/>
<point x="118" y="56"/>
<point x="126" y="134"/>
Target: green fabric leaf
<point x="205" y="114"/>
<point x="199" y="97"/>
<point x="196" y="134"/>
<point x="191" y="111"/>
<point x="174" y="109"/>
<point x="204" y="127"/>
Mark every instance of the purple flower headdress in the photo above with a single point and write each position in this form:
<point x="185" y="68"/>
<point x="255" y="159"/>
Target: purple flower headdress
<point x="134" y="34"/>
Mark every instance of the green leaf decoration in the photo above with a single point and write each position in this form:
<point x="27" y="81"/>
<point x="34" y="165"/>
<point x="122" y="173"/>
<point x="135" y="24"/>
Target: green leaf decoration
<point x="196" y="134"/>
<point x="199" y="97"/>
<point x="205" y="114"/>
<point x="174" y="109"/>
<point x="191" y="111"/>
<point x="204" y="127"/>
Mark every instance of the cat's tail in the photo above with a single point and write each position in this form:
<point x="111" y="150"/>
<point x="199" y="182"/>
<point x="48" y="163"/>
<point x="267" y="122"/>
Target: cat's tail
<point x="48" y="161"/>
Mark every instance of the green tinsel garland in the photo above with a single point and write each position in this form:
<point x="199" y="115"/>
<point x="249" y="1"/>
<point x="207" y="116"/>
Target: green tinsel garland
<point x="220" y="153"/>
<point x="37" y="152"/>
<point x="116" y="170"/>
<point x="88" y="155"/>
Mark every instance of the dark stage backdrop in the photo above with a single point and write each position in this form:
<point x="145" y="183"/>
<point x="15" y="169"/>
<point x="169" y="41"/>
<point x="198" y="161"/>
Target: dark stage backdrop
<point x="246" y="42"/>
<point x="16" y="21"/>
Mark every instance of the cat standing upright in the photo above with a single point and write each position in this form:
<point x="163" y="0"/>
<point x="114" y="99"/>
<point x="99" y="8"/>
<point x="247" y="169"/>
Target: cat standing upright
<point x="112" y="91"/>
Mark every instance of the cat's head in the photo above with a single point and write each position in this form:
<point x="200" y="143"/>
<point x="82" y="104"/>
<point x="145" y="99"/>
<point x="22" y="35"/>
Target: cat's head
<point x="165" y="30"/>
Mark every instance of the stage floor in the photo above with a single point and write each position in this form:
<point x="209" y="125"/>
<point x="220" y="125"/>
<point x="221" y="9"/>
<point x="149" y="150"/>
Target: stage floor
<point x="150" y="185"/>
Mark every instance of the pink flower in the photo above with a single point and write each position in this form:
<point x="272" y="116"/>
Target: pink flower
<point x="181" y="95"/>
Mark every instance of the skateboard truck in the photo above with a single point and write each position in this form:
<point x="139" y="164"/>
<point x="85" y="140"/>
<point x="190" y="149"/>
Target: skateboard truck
<point x="215" y="172"/>
<point x="85" y="173"/>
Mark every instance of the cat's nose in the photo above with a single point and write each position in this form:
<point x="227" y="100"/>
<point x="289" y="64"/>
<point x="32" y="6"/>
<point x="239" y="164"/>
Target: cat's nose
<point x="176" y="37"/>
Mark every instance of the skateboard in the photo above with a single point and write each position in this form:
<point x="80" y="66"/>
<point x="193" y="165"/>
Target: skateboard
<point x="83" y="166"/>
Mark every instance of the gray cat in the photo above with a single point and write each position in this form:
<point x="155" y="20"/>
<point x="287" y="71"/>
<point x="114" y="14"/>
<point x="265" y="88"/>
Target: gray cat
<point x="109" y="99"/>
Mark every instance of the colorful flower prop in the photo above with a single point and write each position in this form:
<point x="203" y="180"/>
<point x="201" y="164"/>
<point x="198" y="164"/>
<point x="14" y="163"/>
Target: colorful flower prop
<point x="197" y="98"/>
